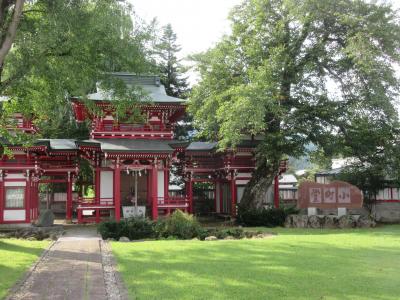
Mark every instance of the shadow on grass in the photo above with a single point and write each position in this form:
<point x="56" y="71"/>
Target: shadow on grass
<point x="9" y="246"/>
<point x="302" y="268"/>
<point x="57" y="254"/>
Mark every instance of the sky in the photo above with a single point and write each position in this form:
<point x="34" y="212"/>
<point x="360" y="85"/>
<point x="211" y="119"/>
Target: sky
<point x="199" y="24"/>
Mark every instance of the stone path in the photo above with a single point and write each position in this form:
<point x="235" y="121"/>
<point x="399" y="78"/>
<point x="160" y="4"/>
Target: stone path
<point x="71" y="269"/>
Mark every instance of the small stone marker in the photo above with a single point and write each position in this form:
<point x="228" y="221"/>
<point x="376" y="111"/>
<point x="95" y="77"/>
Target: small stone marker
<point x="312" y="211"/>
<point x="46" y="219"/>
<point x="341" y="211"/>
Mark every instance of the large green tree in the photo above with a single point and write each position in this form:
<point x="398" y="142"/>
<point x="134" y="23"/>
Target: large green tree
<point x="53" y="49"/>
<point x="295" y="72"/>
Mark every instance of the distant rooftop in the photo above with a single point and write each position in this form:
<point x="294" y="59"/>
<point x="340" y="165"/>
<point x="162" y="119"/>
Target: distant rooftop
<point x="287" y="179"/>
<point x="331" y="172"/>
<point x="149" y="83"/>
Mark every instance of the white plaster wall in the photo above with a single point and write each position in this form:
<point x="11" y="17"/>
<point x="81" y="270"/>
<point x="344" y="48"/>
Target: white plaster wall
<point x="14" y="215"/>
<point x="15" y="176"/>
<point x="242" y="181"/>
<point x="15" y="183"/>
<point x="60" y="197"/>
<point x="105" y="163"/>
<point x="160" y="184"/>
<point x="240" y="191"/>
<point x="106" y="184"/>
<point x="244" y="175"/>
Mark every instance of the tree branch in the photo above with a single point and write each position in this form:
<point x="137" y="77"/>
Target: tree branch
<point x="33" y="10"/>
<point x="12" y="31"/>
<point x="4" y="5"/>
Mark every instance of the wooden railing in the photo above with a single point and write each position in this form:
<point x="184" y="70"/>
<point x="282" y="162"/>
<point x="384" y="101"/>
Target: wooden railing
<point x="25" y="125"/>
<point x="89" y="210"/>
<point x="131" y="127"/>
<point x="173" y="202"/>
<point x="91" y="201"/>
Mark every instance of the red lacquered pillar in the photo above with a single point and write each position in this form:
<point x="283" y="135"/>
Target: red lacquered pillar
<point x="233" y="195"/>
<point x="154" y="207"/>
<point x="276" y="191"/>
<point x="69" y="198"/>
<point x="117" y="192"/>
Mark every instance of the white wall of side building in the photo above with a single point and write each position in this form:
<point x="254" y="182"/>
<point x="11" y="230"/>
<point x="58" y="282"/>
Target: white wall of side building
<point x="160" y="184"/>
<point x="15" y="215"/>
<point x="106" y="184"/>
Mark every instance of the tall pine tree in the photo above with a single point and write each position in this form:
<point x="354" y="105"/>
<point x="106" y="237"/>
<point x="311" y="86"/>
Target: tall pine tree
<point x="170" y="67"/>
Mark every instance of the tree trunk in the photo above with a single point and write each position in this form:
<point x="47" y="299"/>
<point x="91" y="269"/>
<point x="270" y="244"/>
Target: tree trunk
<point x="9" y="37"/>
<point x="255" y="193"/>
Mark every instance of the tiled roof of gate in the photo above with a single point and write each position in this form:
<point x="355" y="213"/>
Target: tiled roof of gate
<point x="201" y="146"/>
<point x="59" y="144"/>
<point x="149" y="83"/>
<point x="208" y="146"/>
<point x="128" y="145"/>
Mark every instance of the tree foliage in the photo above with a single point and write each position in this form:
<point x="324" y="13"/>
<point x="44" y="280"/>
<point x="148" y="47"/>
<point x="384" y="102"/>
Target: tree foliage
<point x="61" y="49"/>
<point x="301" y="72"/>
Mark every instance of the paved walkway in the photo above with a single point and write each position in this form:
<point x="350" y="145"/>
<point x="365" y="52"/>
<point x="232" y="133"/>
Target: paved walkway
<point x="71" y="269"/>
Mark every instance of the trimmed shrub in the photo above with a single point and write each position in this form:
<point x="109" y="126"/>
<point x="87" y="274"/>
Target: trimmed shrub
<point x="179" y="225"/>
<point x="109" y="230"/>
<point x="134" y="229"/>
<point x="140" y="228"/>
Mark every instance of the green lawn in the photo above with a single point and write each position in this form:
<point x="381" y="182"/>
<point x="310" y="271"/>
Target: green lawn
<point x="297" y="264"/>
<point x="16" y="256"/>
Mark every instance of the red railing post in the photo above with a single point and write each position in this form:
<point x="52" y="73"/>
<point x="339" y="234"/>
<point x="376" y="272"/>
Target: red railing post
<point x="190" y="195"/>
<point x="2" y="196"/>
<point x="221" y="197"/>
<point x="276" y="191"/>
<point x="97" y="185"/>
<point x="28" y="198"/>
<point x="233" y="194"/>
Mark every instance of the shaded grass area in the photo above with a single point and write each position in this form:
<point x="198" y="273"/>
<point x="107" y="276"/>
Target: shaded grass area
<point x="296" y="264"/>
<point x="16" y="256"/>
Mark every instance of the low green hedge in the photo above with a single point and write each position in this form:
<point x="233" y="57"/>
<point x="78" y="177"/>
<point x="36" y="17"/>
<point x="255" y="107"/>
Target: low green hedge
<point x="134" y="229"/>
<point x="183" y="226"/>
<point x="269" y="217"/>
<point x="179" y="225"/>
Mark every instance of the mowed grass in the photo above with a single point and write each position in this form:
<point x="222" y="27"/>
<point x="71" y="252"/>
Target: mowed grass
<point x="16" y="256"/>
<point x="296" y="264"/>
